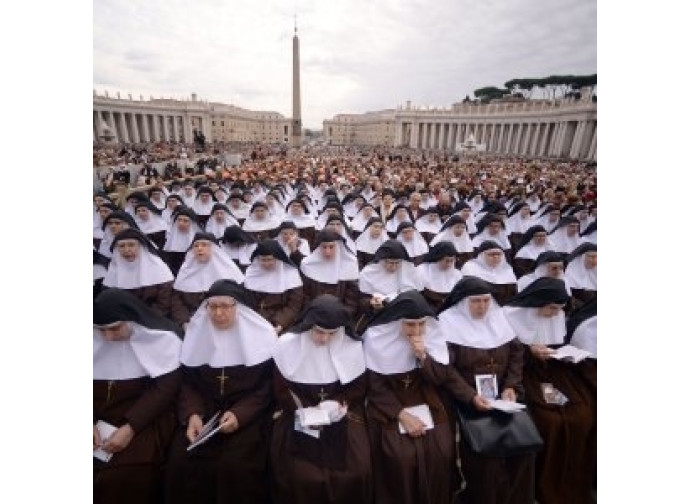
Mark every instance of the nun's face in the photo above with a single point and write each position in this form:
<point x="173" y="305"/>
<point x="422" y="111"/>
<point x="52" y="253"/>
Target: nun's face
<point x="288" y="234"/>
<point x="219" y="215"/>
<point x="494" y="228"/>
<point x="335" y="226"/>
<point x="465" y="213"/>
<point x="99" y="200"/>
<point x="143" y="213"/>
<point x="205" y="198"/>
<point x="327" y="250"/>
<point x="446" y="263"/>
<point x="222" y="311"/>
<point x="407" y="234"/>
<point x="458" y="229"/>
<point x="479" y="305"/>
<point x="493" y="257"/>
<point x="414" y="328"/>
<point x="524" y="212"/>
<point x="189" y="191"/>
<point x="432" y="217"/>
<point x="104" y="211"/>
<point x="220" y="195"/>
<point x="120" y="331"/>
<point x="172" y="203"/>
<point x="367" y="212"/>
<point x="550" y="310"/>
<point x="259" y="213"/>
<point x="392" y="265"/>
<point x="554" y="269"/>
<point x="129" y="249"/>
<point x="572" y="229"/>
<point x="401" y="215"/>
<point x="267" y="262"/>
<point x="539" y="238"/>
<point x="183" y="223"/>
<point x="117" y="225"/>
<point x="590" y="259"/>
<point x="554" y="216"/>
<point x="321" y="336"/>
<point x="296" y="210"/>
<point x="375" y="230"/>
<point x="202" y="250"/>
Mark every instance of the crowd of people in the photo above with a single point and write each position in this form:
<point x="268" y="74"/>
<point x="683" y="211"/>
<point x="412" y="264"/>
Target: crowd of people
<point x="331" y="312"/>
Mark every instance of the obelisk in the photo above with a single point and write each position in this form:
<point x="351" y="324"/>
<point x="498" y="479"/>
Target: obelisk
<point x="296" y="139"/>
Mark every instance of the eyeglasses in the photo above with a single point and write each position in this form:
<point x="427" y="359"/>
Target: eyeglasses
<point x="221" y="306"/>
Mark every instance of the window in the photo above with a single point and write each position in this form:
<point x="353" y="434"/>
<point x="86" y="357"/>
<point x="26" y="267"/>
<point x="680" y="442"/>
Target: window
<point x="222" y="123"/>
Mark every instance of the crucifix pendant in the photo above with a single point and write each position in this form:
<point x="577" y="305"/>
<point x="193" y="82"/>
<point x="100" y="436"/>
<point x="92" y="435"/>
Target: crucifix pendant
<point x="221" y="378"/>
<point x="322" y="395"/>
<point x="492" y="366"/>
<point x="406" y="381"/>
<point x="110" y="388"/>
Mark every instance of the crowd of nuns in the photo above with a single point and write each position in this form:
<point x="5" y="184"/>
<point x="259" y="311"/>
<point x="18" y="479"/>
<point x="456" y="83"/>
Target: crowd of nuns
<point x="311" y="339"/>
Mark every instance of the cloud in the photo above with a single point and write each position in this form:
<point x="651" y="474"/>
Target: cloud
<point x="355" y="56"/>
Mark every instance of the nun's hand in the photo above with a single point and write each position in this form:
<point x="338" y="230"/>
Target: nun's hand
<point x="509" y="395"/>
<point x="541" y="352"/>
<point x="376" y="302"/>
<point x="229" y="422"/>
<point x="119" y="440"/>
<point x="412" y="425"/>
<point x="480" y="403"/>
<point x="194" y="427"/>
<point x="278" y="329"/>
<point x="96" y="438"/>
<point x="418" y="346"/>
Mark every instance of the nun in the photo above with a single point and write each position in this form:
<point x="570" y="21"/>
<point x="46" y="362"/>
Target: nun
<point x="438" y="273"/>
<point x="455" y="231"/>
<point x="481" y="342"/>
<point x="535" y="241"/>
<point x="203" y="204"/>
<point x="399" y="214"/>
<point x="292" y="244"/>
<point x="429" y="224"/>
<point x="100" y="269"/>
<point x="413" y="242"/>
<point x="338" y="223"/>
<point x="220" y="220"/>
<point x="548" y="264"/>
<point x="298" y="213"/>
<point x="205" y="263"/>
<point x="369" y="241"/>
<point x="136" y="378"/>
<point x="581" y="273"/>
<point x="239" y="246"/>
<point x="260" y="223"/>
<point x="113" y="223"/>
<point x="274" y="285"/>
<point x="240" y="210"/>
<point x="387" y="275"/>
<point x="150" y="222"/>
<point x="361" y="219"/>
<point x="226" y="366"/>
<point x="183" y="228"/>
<point x="319" y="364"/>
<point x="492" y="228"/>
<point x="566" y="236"/>
<point x="412" y="444"/>
<point x="491" y="266"/>
<point x="171" y="203"/>
<point x="559" y="401"/>
<point x="137" y="267"/>
<point x="519" y="221"/>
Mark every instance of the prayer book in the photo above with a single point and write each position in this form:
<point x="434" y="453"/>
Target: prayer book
<point x="571" y="354"/>
<point x="422" y="412"/>
<point x="507" y="406"/>
<point x="105" y="430"/>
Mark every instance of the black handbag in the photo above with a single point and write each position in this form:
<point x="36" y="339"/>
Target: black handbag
<point x="498" y="434"/>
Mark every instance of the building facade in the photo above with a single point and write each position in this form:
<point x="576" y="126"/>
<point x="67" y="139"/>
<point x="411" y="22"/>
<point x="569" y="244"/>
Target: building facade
<point x="131" y="121"/>
<point x="536" y="128"/>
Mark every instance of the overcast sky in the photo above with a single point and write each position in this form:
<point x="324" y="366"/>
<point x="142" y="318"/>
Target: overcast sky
<point x="356" y="55"/>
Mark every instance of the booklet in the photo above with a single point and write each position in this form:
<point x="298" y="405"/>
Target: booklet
<point x="552" y="395"/>
<point x="423" y="413"/>
<point x="507" y="406"/>
<point x="207" y="431"/>
<point x="105" y="430"/>
<point x="571" y="354"/>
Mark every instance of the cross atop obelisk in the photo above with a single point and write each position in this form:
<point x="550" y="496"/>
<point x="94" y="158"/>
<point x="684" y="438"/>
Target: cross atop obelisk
<point x="296" y="139"/>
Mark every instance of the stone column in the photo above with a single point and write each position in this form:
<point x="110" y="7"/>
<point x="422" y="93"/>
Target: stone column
<point x="187" y="129"/>
<point x="156" y="127"/>
<point x="135" y="128"/>
<point x="166" y="131"/>
<point x="499" y="145"/>
<point x="414" y="136"/>
<point x="123" y="126"/>
<point x="577" y="140"/>
<point x="592" y="151"/>
<point x="145" y="127"/>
